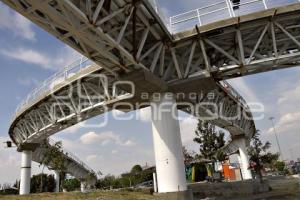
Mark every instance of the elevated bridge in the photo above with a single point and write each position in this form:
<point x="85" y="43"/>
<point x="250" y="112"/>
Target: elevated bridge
<point x="130" y="45"/>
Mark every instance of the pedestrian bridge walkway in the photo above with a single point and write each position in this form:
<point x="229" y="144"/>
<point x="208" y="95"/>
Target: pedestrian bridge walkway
<point x="131" y="42"/>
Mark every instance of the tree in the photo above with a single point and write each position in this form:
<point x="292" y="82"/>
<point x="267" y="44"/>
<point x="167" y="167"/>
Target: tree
<point x="71" y="184"/>
<point x="106" y="182"/>
<point x="280" y="166"/>
<point x="136" y="176"/>
<point x="188" y="155"/>
<point x="259" y="155"/>
<point x="136" y="169"/>
<point x="209" y="139"/>
<point x="42" y="183"/>
<point x="53" y="157"/>
<point x="6" y="186"/>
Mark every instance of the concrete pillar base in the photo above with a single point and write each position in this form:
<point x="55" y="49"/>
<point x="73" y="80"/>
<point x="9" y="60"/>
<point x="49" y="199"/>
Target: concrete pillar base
<point x="57" y="180"/>
<point x="183" y="195"/>
<point x="25" y="172"/>
<point x="84" y="187"/>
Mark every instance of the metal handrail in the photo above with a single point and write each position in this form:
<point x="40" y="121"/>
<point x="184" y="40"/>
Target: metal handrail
<point x="222" y="10"/>
<point x="72" y="156"/>
<point x="48" y="84"/>
<point x="160" y="13"/>
<point x="234" y="93"/>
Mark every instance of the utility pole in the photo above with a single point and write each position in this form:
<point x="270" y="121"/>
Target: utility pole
<point x="292" y="154"/>
<point x="275" y="133"/>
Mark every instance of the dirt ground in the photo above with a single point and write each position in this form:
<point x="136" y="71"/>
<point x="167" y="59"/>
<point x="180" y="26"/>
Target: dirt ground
<point x="283" y="188"/>
<point x="84" y="196"/>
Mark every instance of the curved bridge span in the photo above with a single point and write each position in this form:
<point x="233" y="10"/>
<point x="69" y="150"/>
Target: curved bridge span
<point x="81" y="91"/>
<point x="132" y="51"/>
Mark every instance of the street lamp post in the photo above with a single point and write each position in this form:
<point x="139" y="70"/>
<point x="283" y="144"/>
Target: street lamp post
<point x="275" y="133"/>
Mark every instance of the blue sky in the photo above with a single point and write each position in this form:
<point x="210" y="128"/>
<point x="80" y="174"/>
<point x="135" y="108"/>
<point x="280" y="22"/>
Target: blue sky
<point x="28" y="55"/>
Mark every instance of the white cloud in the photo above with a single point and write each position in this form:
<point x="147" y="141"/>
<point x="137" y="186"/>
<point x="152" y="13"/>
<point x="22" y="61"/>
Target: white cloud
<point x="114" y="151"/>
<point x="27" y="55"/>
<point x="61" y="59"/>
<point x="9" y="166"/>
<point x="28" y="81"/>
<point x="188" y="127"/>
<point x="19" y="25"/>
<point x="93" y="158"/>
<point x="293" y="94"/>
<point x="243" y="88"/>
<point x="117" y="159"/>
<point x="75" y="128"/>
<point x="144" y="114"/>
<point x="287" y="114"/>
<point x="129" y="143"/>
<point x="287" y="124"/>
<point x="104" y="138"/>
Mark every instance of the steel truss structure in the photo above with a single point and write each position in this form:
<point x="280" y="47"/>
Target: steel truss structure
<point x="70" y="103"/>
<point x="232" y="115"/>
<point x="124" y="36"/>
<point x="72" y="165"/>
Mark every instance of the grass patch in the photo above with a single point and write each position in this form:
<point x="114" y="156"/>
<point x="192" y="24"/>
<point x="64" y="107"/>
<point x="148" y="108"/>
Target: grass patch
<point x="101" y="195"/>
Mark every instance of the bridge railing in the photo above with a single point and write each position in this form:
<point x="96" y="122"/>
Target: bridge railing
<point x="228" y="88"/>
<point x="220" y="10"/>
<point x="53" y="80"/>
<point x="160" y="13"/>
<point x="72" y="156"/>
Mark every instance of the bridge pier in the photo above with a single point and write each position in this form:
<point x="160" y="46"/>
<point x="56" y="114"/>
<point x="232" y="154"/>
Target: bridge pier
<point x="57" y="180"/>
<point x="168" y="147"/>
<point x="84" y="186"/>
<point x="243" y="158"/>
<point x="25" y="172"/>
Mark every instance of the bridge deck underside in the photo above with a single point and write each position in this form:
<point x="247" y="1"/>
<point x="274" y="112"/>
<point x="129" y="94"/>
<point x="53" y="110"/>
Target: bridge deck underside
<point x="124" y="37"/>
<point x="76" y="100"/>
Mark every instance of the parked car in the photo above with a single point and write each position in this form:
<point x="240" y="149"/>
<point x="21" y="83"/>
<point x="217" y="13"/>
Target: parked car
<point x="147" y="184"/>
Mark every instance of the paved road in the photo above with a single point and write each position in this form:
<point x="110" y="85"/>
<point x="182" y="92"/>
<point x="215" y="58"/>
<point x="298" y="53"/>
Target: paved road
<point x="283" y="188"/>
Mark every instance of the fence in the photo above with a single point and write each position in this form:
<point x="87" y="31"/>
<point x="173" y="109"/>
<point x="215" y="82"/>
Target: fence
<point x="221" y="10"/>
<point x="233" y="92"/>
<point x="49" y="83"/>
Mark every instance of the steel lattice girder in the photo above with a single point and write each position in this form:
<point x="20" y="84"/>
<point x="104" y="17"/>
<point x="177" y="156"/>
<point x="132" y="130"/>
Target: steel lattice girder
<point x="72" y="166"/>
<point x="124" y="36"/>
<point x="88" y="96"/>
<point x="69" y="104"/>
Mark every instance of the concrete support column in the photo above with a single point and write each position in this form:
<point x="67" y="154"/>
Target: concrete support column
<point x="243" y="158"/>
<point x="84" y="187"/>
<point x="25" y="172"/>
<point x="169" y="159"/>
<point x="57" y="180"/>
<point x="154" y="183"/>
